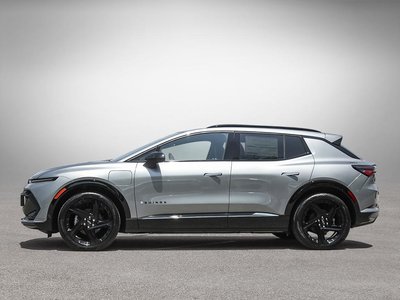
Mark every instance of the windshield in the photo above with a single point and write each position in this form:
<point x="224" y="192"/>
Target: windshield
<point x="130" y="153"/>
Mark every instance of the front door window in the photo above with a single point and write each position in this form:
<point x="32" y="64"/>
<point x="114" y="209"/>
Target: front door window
<point x="200" y="147"/>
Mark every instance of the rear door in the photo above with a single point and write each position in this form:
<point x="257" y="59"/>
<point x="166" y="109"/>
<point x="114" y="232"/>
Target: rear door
<point x="264" y="176"/>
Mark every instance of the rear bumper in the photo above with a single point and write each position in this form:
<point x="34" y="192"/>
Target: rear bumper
<point x="367" y="216"/>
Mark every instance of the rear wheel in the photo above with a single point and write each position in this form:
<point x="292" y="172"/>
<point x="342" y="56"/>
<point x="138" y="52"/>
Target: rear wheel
<point x="321" y="221"/>
<point x="88" y="221"/>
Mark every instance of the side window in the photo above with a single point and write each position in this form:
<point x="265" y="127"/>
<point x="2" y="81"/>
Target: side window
<point x="207" y="146"/>
<point x="260" y="146"/>
<point x="294" y="147"/>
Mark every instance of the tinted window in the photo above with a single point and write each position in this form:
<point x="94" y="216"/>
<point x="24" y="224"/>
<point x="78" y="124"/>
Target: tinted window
<point x="260" y="146"/>
<point x="209" y="146"/>
<point x="294" y="146"/>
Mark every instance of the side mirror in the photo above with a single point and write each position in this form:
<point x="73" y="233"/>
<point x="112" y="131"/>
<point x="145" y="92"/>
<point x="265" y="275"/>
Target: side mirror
<point x="154" y="158"/>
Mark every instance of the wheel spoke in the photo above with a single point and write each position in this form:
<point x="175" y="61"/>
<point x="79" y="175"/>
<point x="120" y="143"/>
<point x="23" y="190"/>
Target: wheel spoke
<point x="321" y="237"/>
<point x="76" y="228"/>
<point x="78" y="212"/>
<point x="332" y="212"/>
<point x="336" y="229"/>
<point x="101" y="225"/>
<point x="91" y="236"/>
<point x="310" y="223"/>
<point x="317" y="209"/>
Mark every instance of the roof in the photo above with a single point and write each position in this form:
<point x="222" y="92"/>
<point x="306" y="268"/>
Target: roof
<point x="262" y="126"/>
<point x="333" y="138"/>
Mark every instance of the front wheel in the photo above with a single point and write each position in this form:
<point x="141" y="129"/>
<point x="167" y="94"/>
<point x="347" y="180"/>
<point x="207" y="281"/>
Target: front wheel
<point x="88" y="221"/>
<point x="321" y="221"/>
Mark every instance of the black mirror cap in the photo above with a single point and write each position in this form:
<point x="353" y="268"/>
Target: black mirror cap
<point x="153" y="158"/>
<point x="156" y="156"/>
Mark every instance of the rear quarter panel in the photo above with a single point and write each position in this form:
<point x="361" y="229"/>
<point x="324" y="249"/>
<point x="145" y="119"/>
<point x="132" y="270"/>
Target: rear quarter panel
<point x="332" y="164"/>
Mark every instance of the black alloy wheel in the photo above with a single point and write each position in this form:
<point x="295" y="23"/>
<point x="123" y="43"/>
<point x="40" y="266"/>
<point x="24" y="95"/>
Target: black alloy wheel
<point x="321" y="221"/>
<point x="88" y="221"/>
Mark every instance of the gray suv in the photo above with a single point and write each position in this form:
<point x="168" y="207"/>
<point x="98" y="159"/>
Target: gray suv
<point x="292" y="182"/>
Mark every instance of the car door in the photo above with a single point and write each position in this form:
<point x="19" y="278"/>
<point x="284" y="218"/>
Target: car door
<point x="189" y="191"/>
<point x="267" y="170"/>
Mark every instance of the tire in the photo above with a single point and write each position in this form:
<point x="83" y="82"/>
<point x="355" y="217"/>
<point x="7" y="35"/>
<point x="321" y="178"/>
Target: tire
<point x="89" y="221"/>
<point x="322" y="221"/>
<point x="284" y="235"/>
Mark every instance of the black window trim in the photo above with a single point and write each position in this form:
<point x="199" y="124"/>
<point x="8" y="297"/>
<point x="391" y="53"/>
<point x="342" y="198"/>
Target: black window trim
<point x="345" y="151"/>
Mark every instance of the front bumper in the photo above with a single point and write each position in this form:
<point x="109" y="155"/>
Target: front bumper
<point x="29" y="204"/>
<point x="42" y="226"/>
<point x="31" y="208"/>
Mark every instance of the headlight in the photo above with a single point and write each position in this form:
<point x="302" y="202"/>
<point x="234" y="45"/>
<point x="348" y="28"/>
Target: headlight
<point x="36" y="180"/>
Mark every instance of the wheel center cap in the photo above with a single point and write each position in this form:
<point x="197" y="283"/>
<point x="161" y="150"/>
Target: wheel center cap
<point x="89" y="221"/>
<point x="323" y="221"/>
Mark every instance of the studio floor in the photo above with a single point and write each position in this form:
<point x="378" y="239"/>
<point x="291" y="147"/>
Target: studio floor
<point x="236" y="266"/>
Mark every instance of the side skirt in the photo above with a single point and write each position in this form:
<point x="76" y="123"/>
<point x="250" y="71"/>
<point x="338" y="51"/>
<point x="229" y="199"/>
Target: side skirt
<point x="215" y="223"/>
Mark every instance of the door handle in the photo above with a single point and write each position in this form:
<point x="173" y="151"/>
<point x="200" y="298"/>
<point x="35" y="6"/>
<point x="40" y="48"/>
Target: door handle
<point x="291" y="173"/>
<point x="212" y="174"/>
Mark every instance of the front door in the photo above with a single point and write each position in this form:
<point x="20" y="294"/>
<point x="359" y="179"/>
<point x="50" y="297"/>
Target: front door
<point x="187" y="192"/>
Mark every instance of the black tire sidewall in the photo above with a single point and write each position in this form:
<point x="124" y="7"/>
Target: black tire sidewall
<point x="115" y="218"/>
<point x="299" y="214"/>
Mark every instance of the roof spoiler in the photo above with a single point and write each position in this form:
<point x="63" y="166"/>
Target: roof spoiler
<point x="334" y="138"/>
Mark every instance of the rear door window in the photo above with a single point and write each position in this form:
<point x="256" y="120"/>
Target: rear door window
<point x="255" y="146"/>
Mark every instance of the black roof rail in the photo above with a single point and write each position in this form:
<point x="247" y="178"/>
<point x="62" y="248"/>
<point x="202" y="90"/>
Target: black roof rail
<point x="262" y="126"/>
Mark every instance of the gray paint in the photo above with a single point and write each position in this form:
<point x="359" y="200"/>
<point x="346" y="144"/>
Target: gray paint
<point x="186" y="187"/>
<point x="120" y="178"/>
<point x="259" y="186"/>
<point x="182" y="188"/>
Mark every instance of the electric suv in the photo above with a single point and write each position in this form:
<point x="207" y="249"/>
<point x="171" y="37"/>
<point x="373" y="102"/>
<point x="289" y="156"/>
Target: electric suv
<point x="292" y="182"/>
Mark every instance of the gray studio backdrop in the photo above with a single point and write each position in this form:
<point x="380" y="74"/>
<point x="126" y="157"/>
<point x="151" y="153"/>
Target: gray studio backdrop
<point x="88" y="80"/>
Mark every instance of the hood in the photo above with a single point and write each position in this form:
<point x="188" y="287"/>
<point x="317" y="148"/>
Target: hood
<point x="54" y="171"/>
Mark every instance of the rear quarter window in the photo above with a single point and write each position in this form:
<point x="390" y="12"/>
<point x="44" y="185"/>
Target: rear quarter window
<point x="294" y="147"/>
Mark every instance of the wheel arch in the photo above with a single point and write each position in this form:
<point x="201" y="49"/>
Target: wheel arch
<point x="88" y="185"/>
<point x="322" y="186"/>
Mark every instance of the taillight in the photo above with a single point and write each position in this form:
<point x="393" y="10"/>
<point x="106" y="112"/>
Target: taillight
<point x="367" y="170"/>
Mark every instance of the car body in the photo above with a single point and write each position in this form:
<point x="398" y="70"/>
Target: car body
<point x="292" y="182"/>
